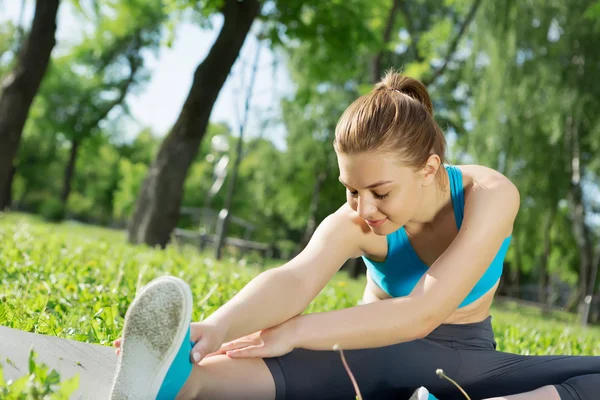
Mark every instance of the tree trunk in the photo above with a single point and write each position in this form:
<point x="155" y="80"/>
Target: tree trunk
<point x="543" y="261"/>
<point x="69" y="172"/>
<point x="7" y="193"/>
<point x="223" y="223"/>
<point x="387" y="33"/>
<point x="515" y="270"/>
<point x="595" y="289"/>
<point x="311" y="224"/>
<point x="580" y="229"/>
<point x="20" y="86"/>
<point x="157" y="207"/>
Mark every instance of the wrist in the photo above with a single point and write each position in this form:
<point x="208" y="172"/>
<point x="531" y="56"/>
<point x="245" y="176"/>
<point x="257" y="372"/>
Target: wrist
<point x="221" y="327"/>
<point x="294" y="326"/>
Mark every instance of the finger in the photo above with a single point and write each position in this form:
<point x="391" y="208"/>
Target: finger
<point x="117" y="343"/>
<point x="258" y="350"/>
<point x="200" y="350"/>
<point x="238" y="344"/>
<point x="216" y="353"/>
<point x="233" y="345"/>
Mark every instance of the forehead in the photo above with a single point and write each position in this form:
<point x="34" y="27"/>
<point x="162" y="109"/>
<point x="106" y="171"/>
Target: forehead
<point x="363" y="169"/>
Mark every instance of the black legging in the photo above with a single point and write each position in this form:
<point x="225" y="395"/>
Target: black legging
<point x="467" y="353"/>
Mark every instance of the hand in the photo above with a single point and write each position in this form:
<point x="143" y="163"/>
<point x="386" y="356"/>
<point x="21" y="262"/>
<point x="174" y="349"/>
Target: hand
<point x="271" y="342"/>
<point x="208" y="338"/>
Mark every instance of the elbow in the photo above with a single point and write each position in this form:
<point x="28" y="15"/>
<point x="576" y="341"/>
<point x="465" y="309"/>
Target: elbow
<point x="427" y="322"/>
<point x="427" y="325"/>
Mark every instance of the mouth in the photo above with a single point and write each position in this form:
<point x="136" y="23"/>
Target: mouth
<point x="377" y="222"/>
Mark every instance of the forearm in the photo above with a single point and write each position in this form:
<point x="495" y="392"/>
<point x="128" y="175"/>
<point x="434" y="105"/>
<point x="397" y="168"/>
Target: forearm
<point x="376" y="324"/>
<point x="269" y="299"/>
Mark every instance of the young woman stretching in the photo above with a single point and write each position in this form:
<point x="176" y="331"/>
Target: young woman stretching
<point x="433" y="237"/>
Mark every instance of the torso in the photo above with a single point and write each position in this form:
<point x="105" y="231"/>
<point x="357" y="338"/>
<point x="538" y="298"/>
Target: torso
<point x="429" y="244"/>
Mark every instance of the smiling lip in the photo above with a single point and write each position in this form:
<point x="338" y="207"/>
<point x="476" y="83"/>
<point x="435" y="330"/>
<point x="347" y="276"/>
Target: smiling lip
<point x="378" y="222"/>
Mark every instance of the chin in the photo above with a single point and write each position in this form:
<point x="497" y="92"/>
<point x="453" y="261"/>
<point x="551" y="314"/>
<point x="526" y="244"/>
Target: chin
<point x="384" y="229"/>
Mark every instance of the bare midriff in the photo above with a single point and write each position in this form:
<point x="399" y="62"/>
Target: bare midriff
<point x="474" y="312"/>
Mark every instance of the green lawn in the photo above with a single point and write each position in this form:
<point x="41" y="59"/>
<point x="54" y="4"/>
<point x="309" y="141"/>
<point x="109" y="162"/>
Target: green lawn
<point x="76" y="281"/>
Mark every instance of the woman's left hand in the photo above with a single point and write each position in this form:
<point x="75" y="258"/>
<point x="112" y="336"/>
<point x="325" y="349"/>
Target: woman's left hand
<point x="271" y="342"/>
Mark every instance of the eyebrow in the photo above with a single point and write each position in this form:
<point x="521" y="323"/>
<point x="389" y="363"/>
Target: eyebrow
<point x="374" y="185"/>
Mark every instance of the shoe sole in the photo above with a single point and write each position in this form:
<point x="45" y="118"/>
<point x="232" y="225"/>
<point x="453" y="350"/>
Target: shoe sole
<point x="156" y="324"/>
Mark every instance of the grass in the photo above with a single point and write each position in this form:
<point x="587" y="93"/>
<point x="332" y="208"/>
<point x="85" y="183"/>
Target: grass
<point x="76" y="281"/>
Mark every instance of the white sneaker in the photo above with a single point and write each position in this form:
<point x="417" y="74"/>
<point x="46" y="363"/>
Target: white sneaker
<point x="154" y="362"/>
<point x="422" y="394"/>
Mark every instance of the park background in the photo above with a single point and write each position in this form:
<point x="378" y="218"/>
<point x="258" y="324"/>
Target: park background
<point x="194" y="138"/>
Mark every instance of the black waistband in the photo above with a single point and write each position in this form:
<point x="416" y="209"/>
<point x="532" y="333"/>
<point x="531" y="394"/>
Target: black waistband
<point x="471" y="335"/>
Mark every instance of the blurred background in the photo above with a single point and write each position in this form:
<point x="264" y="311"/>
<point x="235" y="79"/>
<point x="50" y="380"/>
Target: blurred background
<point x="209" y="123"/>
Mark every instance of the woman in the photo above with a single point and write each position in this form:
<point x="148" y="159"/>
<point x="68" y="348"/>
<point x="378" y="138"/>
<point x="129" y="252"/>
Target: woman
<point x="433" y="237"/>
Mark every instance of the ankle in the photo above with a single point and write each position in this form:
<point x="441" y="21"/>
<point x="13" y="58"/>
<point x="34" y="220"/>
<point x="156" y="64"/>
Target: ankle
<point x="191" y="388"/>
<point x="543" y="393"/>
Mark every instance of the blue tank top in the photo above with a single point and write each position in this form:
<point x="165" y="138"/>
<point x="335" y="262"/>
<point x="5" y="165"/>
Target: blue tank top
<point x="403" y="268"/>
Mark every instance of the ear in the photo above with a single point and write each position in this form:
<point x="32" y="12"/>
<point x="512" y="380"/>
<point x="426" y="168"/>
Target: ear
<point x="429" y="171"/>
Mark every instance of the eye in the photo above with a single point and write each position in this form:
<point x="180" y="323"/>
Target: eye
<point x="380" y="196"/>
<point x="352" y="193"/>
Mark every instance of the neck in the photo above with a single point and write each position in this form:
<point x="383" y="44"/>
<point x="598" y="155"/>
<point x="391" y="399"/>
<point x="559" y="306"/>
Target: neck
<point x="435" y="200"/>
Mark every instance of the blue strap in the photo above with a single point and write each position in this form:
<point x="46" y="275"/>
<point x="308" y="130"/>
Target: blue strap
<point x="457" y="193"/>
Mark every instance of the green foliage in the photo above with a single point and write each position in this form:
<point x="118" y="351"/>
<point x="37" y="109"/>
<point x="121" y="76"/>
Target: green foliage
<point x="8" y="45"/>
<point x="52" y="209"/>
<point x="507" y="94"/>
<point x="40" y="383"/>
<point x="330" y="31"/>
<point x="131" y="178"/>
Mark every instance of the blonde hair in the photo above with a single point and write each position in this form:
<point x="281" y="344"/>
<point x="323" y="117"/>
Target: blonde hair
<point x="396" y="118"/>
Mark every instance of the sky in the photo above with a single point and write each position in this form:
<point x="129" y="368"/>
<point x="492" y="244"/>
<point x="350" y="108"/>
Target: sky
<point x="158" y="104"/>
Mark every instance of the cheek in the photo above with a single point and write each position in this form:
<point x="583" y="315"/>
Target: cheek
<point x="399" y="209"/>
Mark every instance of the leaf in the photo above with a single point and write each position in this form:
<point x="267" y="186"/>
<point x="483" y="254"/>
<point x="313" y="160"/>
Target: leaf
<point x="67" y="388"/>
<point x="32" y="365"/>
<point x="2" y="382"/>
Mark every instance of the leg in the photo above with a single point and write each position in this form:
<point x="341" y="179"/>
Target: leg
<point x="224" y="378"/>
<point x="391" y="372"/>
<point x="584" y="387"/>
<point x="543" y="393"/>
<point x="519" y="377"/>
<point x="387" y="372"/>
<point x="154" y="361"/>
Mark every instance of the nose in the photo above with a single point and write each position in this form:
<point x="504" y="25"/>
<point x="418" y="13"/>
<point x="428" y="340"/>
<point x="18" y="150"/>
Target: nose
<point x="365" y="208"/>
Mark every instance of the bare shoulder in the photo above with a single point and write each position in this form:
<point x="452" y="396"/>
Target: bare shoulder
<point x="336" y="239"/>
<point x="479" y="177"/>
<point x="488" y="191"/>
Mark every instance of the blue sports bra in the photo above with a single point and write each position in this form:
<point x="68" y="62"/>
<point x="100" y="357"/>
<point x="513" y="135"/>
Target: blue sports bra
<point x="402" y="268"/>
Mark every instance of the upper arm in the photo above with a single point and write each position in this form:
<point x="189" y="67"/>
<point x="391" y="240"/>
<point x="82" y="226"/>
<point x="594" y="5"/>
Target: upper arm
<point x="490" y="211"/>
<point x="334" y="241"/>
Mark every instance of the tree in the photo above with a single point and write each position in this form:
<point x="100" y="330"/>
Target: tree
<point x="20" y="86"/>
<point x="533" y="94"/>
<point x="157" y="208"/>
<point x="93" y="79"/>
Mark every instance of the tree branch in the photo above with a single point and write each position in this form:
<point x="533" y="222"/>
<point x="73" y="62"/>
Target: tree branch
<point x="454" y="43"/>
<point x="410" y="28"/>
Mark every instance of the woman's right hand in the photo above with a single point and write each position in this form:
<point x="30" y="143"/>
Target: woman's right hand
<point x="208" y="338"/>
